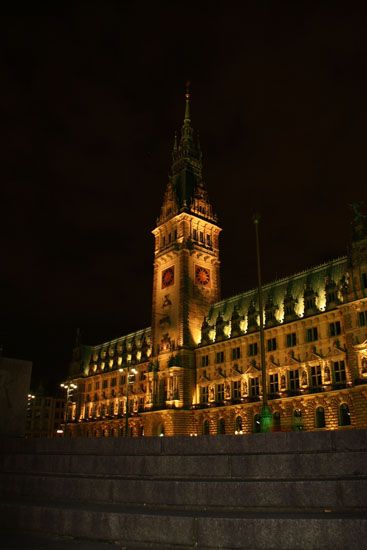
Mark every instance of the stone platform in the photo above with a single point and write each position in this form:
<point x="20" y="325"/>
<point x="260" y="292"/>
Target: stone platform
<point x="262" y="491"/>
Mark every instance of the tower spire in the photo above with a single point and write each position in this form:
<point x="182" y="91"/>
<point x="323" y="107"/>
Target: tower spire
<point x="187" y="106"/>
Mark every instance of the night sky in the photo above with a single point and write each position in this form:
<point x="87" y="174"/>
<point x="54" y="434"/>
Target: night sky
<point x="89" y="104"/>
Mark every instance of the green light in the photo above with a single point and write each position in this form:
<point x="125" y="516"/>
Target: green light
<point x="266" y="419"/>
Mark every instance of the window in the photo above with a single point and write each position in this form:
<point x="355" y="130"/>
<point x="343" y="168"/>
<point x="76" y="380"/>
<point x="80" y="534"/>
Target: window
<point x="205" y="360"/>
<point x="238" y="425"/>
<point x="297" y="420"/>
<point x="364" y="280"/>
<point x="344" y="415"/>
<point x="316" y="379"/>
<point x="291" y="340"/>
<point x="89" y="388"/>
<point x="276" y="422"/>
<point x="164" y="241"/>
<point x="294" y="379"/>
<point x="175" y="234"/>
<point x="363" y="318"/>
<point x="257" y="425"/>
<point x="96" y="386"/>
<point x="312" y="334"/>
<point x="122" y="380"/>
<point x="169" y="237"/>
<point x="113" y="382"/>
<point x="272" y="344"/>
<point x="320" y="417"/>
<point x="201" y="236"/>
<point x="252" y="349"/>
<point x="219" y="358"/>
<point x="105" y="384"/>
<point x="274" y="384"/>
<point x="334" y="328"/>
<point x="254" y="387"/>
<point x="204" y="394"/>
<point x="236" y="389"/>
<point x="339" y="372"/>
<point x="221" y="426"/>
<point x="220" y="392"/>
<point x="236" y="353"/>
<point x="206" y="429"/>
<point x="195" y="234"/>
<point x="208" y="240"/>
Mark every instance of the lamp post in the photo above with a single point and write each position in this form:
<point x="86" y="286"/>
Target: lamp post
<point x="265" y="416"/>
<point x="134" y="371"/>
<point x="69" y="387"/>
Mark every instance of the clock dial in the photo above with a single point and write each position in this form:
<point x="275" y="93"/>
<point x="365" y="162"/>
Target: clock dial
<point x="202" y="276"/>
<point x="168" y="277"/>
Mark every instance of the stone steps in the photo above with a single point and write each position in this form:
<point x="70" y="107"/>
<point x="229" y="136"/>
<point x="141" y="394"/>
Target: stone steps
<point x="281" y="490"/>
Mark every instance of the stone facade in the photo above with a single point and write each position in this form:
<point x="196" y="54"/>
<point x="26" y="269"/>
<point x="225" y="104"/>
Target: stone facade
<point x="196" y="370"/>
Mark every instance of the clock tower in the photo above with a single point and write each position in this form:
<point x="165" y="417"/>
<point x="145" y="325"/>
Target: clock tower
<point x="186" y="270"/>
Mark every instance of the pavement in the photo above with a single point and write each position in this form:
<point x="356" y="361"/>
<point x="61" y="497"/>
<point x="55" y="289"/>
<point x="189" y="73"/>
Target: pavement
<point x="11" y="540"/>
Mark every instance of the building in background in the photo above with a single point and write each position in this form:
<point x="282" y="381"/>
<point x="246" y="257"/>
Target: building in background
<point x="196" y="370"/>
<point x="45" y="416"/>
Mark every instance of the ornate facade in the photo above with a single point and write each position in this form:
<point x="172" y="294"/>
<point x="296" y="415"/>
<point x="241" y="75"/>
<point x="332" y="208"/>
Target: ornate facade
<point x="196" y="370"/>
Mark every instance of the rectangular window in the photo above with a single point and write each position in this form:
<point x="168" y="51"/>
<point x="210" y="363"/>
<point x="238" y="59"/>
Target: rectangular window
<point x="274" y="383"/>
<point x="203" y="394"/>
<point x="105" y="384"/>
<point x="113" y="382"/>
<point x="97" y="386"/>
<point x="335" y="328"/>
<point x="294" y="379"/>
<point x="362" y="318"/>
<point x="316" y="380"/>
<point x="219" y="358"/>
<point x="312" y="334"/>
<point x="364" y="280"/>
<point x="220" y="392"/>
<point x="164" y="241"/>
<point x="272" y="344"/>
<point x="169" y="237"/>
<point x="208" y="240"/>
<point x="201" y="237"/>
<point x="205" y="360"/>
<point x="252" y="349"/>
<point x="254" y="387"/>
<point x="122" y="380"/>
<point x="236" y="389"/>
<point x="175" y="234"/>
<point x="236" y="353"/>
<point x="291" y="340"/>
<point x="339" y="372"/>
<point x="89" y="388"/>
<point x="195" y="234"/>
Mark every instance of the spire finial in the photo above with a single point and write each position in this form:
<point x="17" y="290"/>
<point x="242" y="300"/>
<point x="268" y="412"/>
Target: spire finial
<point x="187" y="96"/>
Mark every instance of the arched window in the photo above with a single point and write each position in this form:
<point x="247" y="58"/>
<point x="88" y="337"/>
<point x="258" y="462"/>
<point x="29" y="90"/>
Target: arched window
<point x="221" y="426"/>
<point x="320" y="417"/>
<point x="297" y="420"/>
<point x="238" y="425"/>
<point x="160" y="430"/>
<point x="344" y="415"/>
<point x="257" y="424"/>
<point x="206" y="428"/>
<point x="276" y="422"/>
<point x="141" y="431"/>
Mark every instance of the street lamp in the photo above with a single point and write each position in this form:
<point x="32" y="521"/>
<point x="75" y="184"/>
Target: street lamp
<point x="133" y="371"/>
<point x="69" y="387"/>
<point x="265" y="416"/>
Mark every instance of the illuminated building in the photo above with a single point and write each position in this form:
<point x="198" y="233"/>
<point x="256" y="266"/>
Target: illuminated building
<point x="45" y="416"/>
<point x="196" y="370"/>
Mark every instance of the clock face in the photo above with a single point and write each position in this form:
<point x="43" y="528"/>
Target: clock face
<point x="168" y="277"/>
<point x="202" y="275"/>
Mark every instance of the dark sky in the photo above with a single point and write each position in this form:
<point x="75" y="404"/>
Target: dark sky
<point x="89" y="104"/>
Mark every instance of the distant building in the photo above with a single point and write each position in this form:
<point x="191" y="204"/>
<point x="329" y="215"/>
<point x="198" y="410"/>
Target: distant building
<point x="196" y="370"/>
<point x="45" y="416"/>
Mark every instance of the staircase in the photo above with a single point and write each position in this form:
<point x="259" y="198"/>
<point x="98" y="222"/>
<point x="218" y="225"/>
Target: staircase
<point x="262" y="491"/>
